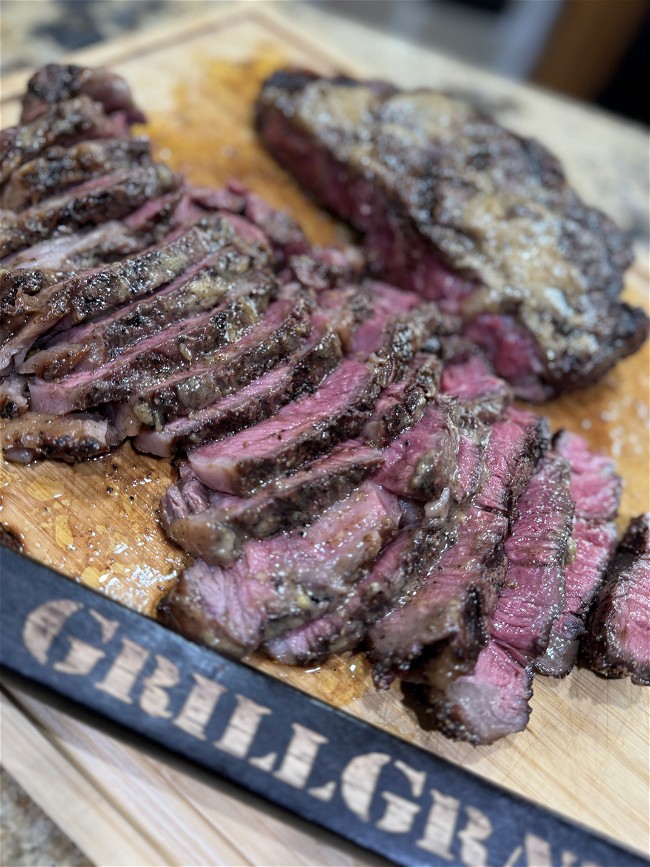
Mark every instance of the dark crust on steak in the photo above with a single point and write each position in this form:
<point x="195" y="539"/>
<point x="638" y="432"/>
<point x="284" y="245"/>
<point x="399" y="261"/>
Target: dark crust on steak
<point x="66" y="438"/>
<point x="59" y="167"/>
<point x="216" y="534"/>
<point x="376" y="154"/>
<point x="621" y="611"/>
<point x="305" y="371"/>
<point x="112" y="198"/>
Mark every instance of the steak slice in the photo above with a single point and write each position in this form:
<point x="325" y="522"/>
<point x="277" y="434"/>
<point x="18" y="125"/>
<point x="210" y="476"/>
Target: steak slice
<point x="467" y="377"/>
<point x="154" y="358"/>
<point x="280" y="333"/>
<point x="90" y="345"/>
<point x="67" y="438"/>
<point x="437" y="628"/>
<point x="423" y="460"/>
<point x="92" y="293"/>
<point x="301" y="431"/>
<point x="106" y="198"/>
<point x="402" y="404"/>
<point x="303" y="372"/>
<point x="54" y="83"/>
<point x="596" y="489"/>
<point x="617" y="643"/>
<point x="491" y="700"/>
<point x="59" y="168"/>
<point x="449" y="203"/>
<point x="62" y="124"/>
<point x="488" y="704"/>
<point x="533" y="594"/>
<point x="216" y="534"/>
<point x="280" y="582"/>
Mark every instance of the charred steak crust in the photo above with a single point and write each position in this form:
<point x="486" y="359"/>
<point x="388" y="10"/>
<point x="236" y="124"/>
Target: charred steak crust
<point x="419" y="173"/>
<point x="67" y="438"/>
<point x="617" y="643"/>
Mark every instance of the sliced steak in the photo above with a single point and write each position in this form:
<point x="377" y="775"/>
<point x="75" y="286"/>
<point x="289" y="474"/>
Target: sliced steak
<point x="280" y="582"/>
<point x="490" y="703"/>
<point x="281" y="332"/>
<point x="93" y="202"/>
<point x="300" y="432"/>
<point x="617" y="643"/>
<point x="467" y="377"/>
<point x="533" y="595"/>
<point x="402" y="404"/>
<point x="303" y="372"/>
<point x="90" y="294"/>
<point x="449" y="203"/>
<point x="62" y="124"/>
<point x="54" y="83"/>
<point x="67" y="438"/>
<point x="216" y="534"/>
<point x="437" y="628"/>
<point x="596" y="490"/>
<point x="423" y="460"/>
<point x="59" y="168"/>
<point x="90" y="345"/>
<point x="155" y="358"/>
<point x="491" y="700"/>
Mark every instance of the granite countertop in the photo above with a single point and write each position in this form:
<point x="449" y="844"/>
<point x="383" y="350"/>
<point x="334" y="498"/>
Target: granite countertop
<point x="39" y="32"/>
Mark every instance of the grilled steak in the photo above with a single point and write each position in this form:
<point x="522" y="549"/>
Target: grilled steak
<point x="304" y="371"/>
<point x="286" y="580"/>
<point x="59" y="168"/>
<point x="215" y="533"/>
<point x="80" y="297"/>
<point x="435" y="631"/>
<point x="14" y="396"/>
<point x="491" y="700"/>
<point x="300" y="432"/>
<point x="276" y="336"/>
<point x="595" y="489"/>
<point x="53" y="83"/>
<point x="617" y="643"/>
<point x="68" y="438"/>
<point x="450" y="203"/>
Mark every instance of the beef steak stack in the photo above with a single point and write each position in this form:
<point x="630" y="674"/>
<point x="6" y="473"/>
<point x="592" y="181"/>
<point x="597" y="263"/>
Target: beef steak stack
<point x="351" y="468"/>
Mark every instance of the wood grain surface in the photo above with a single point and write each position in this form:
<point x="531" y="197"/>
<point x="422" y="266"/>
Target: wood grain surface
<point x="585" y="753"/>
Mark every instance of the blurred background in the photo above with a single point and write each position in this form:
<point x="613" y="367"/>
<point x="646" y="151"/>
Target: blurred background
<point x="593" y="50"/>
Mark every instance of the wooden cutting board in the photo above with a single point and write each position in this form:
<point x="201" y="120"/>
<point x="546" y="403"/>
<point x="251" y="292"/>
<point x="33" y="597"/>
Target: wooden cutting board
<point x="585" y="753"/>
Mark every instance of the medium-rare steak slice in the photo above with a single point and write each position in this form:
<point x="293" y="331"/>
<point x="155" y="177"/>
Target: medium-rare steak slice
<point x="423" y="460"/>
<point x="280" y="582"/>
<point x="402" y="404"/>
<point x="95" y="201"/>
<point x="281" y="332"/>
<point x="467" y="377"/>
<point x="92" y="293"/>
<point x="437" y="628"/>
<point x="90" y="345"/>
<point x="491" y="700"/>
<point x="54" y="83"/>
<point x="62" y="124"/>
<point x="596" y="490"/>
<point x="59" y="168"/>
<point x="450" y="204"/>
<point x="302" y="373"/>
<point x="67" y="438"/>
<point x="617" y="643"/>
<point x="301" y="431"/>
<point x="155" y="358"/>
<point x="533" y="594"/>
<point x="216" y="533"/>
